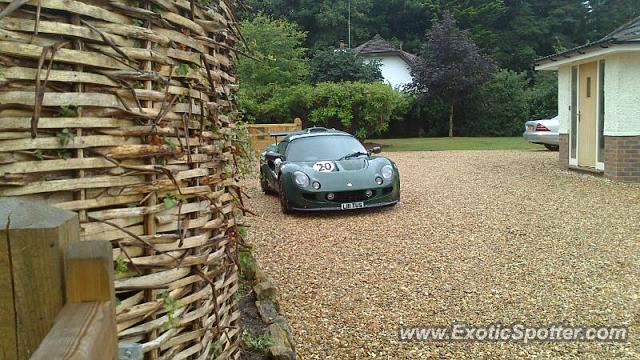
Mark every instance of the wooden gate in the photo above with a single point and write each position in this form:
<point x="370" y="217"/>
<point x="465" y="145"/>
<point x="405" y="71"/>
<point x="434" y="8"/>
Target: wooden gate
<point x="259" y="133"/>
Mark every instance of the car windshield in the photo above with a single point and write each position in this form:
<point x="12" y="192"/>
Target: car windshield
<point x="331" y="147"/>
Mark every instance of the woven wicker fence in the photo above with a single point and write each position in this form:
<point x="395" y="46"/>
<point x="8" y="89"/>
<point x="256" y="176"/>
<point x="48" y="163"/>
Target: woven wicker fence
<point x="121" y="110"/>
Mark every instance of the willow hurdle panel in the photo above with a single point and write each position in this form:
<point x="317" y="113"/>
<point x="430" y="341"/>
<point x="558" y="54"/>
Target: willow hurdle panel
<point x="123" y="112"/>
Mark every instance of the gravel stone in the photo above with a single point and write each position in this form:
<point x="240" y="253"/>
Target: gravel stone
<point x="267" y="311"/>
<point x="480" y="237"/>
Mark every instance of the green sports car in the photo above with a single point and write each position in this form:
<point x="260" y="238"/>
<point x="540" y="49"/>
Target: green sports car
<point x="325" y="169"/>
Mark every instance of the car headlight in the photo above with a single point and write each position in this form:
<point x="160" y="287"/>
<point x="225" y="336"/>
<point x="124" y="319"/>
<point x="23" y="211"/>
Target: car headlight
<point x="387" y="172"/>
<point x="301" y="179"/>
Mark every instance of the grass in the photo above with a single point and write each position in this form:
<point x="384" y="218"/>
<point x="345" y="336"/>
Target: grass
<point x="256" y="343"/>
<point x="456" y="143"/>
<point x="247" y="264"/>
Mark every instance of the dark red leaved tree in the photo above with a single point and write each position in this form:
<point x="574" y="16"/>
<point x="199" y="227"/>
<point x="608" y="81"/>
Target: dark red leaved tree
<point x="450" y="66"/>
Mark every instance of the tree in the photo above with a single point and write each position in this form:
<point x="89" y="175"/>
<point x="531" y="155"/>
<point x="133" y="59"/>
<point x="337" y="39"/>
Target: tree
<point x="499" y="107"/>
<point x="607" y="15"/>
<point x="332" y="65"/>
<point x="450" y="66"/>
<point x="277" y="47"/>
<point x="325" y="21"/>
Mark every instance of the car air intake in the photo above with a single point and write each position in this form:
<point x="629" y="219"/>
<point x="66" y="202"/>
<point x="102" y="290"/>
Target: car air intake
<point x="351" y="196"/>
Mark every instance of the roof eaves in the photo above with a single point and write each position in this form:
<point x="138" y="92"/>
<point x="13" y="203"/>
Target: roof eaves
<point x="625" y="34"/>
<point x="604" y="43"/>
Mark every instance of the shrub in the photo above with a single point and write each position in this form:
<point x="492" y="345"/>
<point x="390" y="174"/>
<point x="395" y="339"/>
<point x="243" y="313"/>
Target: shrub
<point x="275" y="103"/>
<point x="423" y="119"/>
<point x="499" y="108"/>
<point x="247" y="264"/>
<point x="332" y="65"/>
<point x="362" y="109"/>
<point x="542" y="95"/>
<point x="358" y="108"/>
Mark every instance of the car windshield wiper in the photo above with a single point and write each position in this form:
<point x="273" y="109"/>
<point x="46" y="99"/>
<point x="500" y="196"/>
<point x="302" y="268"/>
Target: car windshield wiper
<point x="357" y="153"/>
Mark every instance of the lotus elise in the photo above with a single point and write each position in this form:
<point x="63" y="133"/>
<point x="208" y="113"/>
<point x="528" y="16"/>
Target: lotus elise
<point x="325" y="169"/>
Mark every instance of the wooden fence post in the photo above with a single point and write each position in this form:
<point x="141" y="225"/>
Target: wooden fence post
<point x="32" y="239"/>
<point x="86" y="326"/>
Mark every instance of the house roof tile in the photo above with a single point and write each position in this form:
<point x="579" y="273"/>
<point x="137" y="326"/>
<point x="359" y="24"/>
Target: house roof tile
<point x="627" y="32"/>
<point x="379" y="45"/>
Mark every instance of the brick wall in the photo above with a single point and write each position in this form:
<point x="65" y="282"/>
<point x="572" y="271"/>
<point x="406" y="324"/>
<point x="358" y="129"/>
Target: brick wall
<point x="622" y="158"/>
<point x="564" y="151"/>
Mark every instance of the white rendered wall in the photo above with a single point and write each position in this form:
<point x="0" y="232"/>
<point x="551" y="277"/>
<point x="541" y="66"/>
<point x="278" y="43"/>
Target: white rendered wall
<point x="564" y="98"/>
<point x="622" y="95"/>
<point x="395" y="70"/>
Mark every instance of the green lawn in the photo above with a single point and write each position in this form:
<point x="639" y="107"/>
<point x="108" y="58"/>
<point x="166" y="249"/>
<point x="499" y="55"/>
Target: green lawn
<point x="456" y="143"/>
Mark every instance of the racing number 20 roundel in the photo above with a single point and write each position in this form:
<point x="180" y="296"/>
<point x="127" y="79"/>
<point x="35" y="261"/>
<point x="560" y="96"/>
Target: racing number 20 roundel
<point x="324" y="166"/>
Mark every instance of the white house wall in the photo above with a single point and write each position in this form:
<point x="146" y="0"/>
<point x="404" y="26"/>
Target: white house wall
<point x="564" y="98"/>
<point x="395" y="70"/>
<point x="622" y="94"/>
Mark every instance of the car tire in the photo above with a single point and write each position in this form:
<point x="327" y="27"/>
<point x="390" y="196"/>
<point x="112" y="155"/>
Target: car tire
<point x="284" y="203"/>
<point x="552" y="147"/>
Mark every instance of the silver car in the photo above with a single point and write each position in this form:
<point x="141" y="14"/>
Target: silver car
<point x="543" y="132"/>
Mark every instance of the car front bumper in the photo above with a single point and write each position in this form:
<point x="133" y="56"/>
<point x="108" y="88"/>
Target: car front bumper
<point x="311" y="200"/>
<point x="542" y="137"/>
<point x="339" y="208"/>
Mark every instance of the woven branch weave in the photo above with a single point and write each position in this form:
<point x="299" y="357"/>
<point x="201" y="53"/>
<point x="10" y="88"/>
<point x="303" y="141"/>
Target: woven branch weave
<point x="123" y="111"/>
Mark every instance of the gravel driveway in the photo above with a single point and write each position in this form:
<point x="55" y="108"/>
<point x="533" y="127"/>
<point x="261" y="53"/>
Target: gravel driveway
<point x="479" y="237"/>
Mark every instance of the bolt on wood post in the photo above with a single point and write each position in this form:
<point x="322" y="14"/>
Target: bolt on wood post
<point x="33" y="237"/>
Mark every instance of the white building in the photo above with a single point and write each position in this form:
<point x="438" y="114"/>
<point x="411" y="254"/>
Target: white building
<point x="599" y="104"/>
<point x="396" y="63"/>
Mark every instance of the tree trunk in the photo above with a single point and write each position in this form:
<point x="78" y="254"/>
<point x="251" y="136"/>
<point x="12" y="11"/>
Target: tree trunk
<point x="451" y="120"/>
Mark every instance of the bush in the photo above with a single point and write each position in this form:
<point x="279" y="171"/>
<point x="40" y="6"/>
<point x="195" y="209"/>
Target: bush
<point x="499" y="108"/>
<point x="332" y="65"/>
<point x="543" y="95"/>
<point x="359" y="108"/>
<point x="275" y="104"/>
<point x="424" y="119"/>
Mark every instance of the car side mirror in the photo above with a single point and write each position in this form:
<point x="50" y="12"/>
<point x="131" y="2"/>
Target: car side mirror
<point x="375" y="150"/>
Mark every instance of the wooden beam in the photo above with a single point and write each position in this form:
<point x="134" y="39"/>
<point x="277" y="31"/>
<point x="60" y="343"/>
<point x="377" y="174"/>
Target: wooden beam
<point x="86" y="327"/>
<point x="81" y="331"/>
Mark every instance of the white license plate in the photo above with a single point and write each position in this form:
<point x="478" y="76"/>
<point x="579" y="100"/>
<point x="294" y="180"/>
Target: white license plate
<point x="351" y="206"/>
<point x="530" y="128"/>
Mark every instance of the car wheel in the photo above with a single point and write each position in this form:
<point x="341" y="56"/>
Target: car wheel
<point x="552" y="147"/>
<point x="284" y="203"/>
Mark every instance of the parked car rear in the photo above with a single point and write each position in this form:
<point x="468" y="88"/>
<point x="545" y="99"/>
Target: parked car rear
<point x="543" y="132"/>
